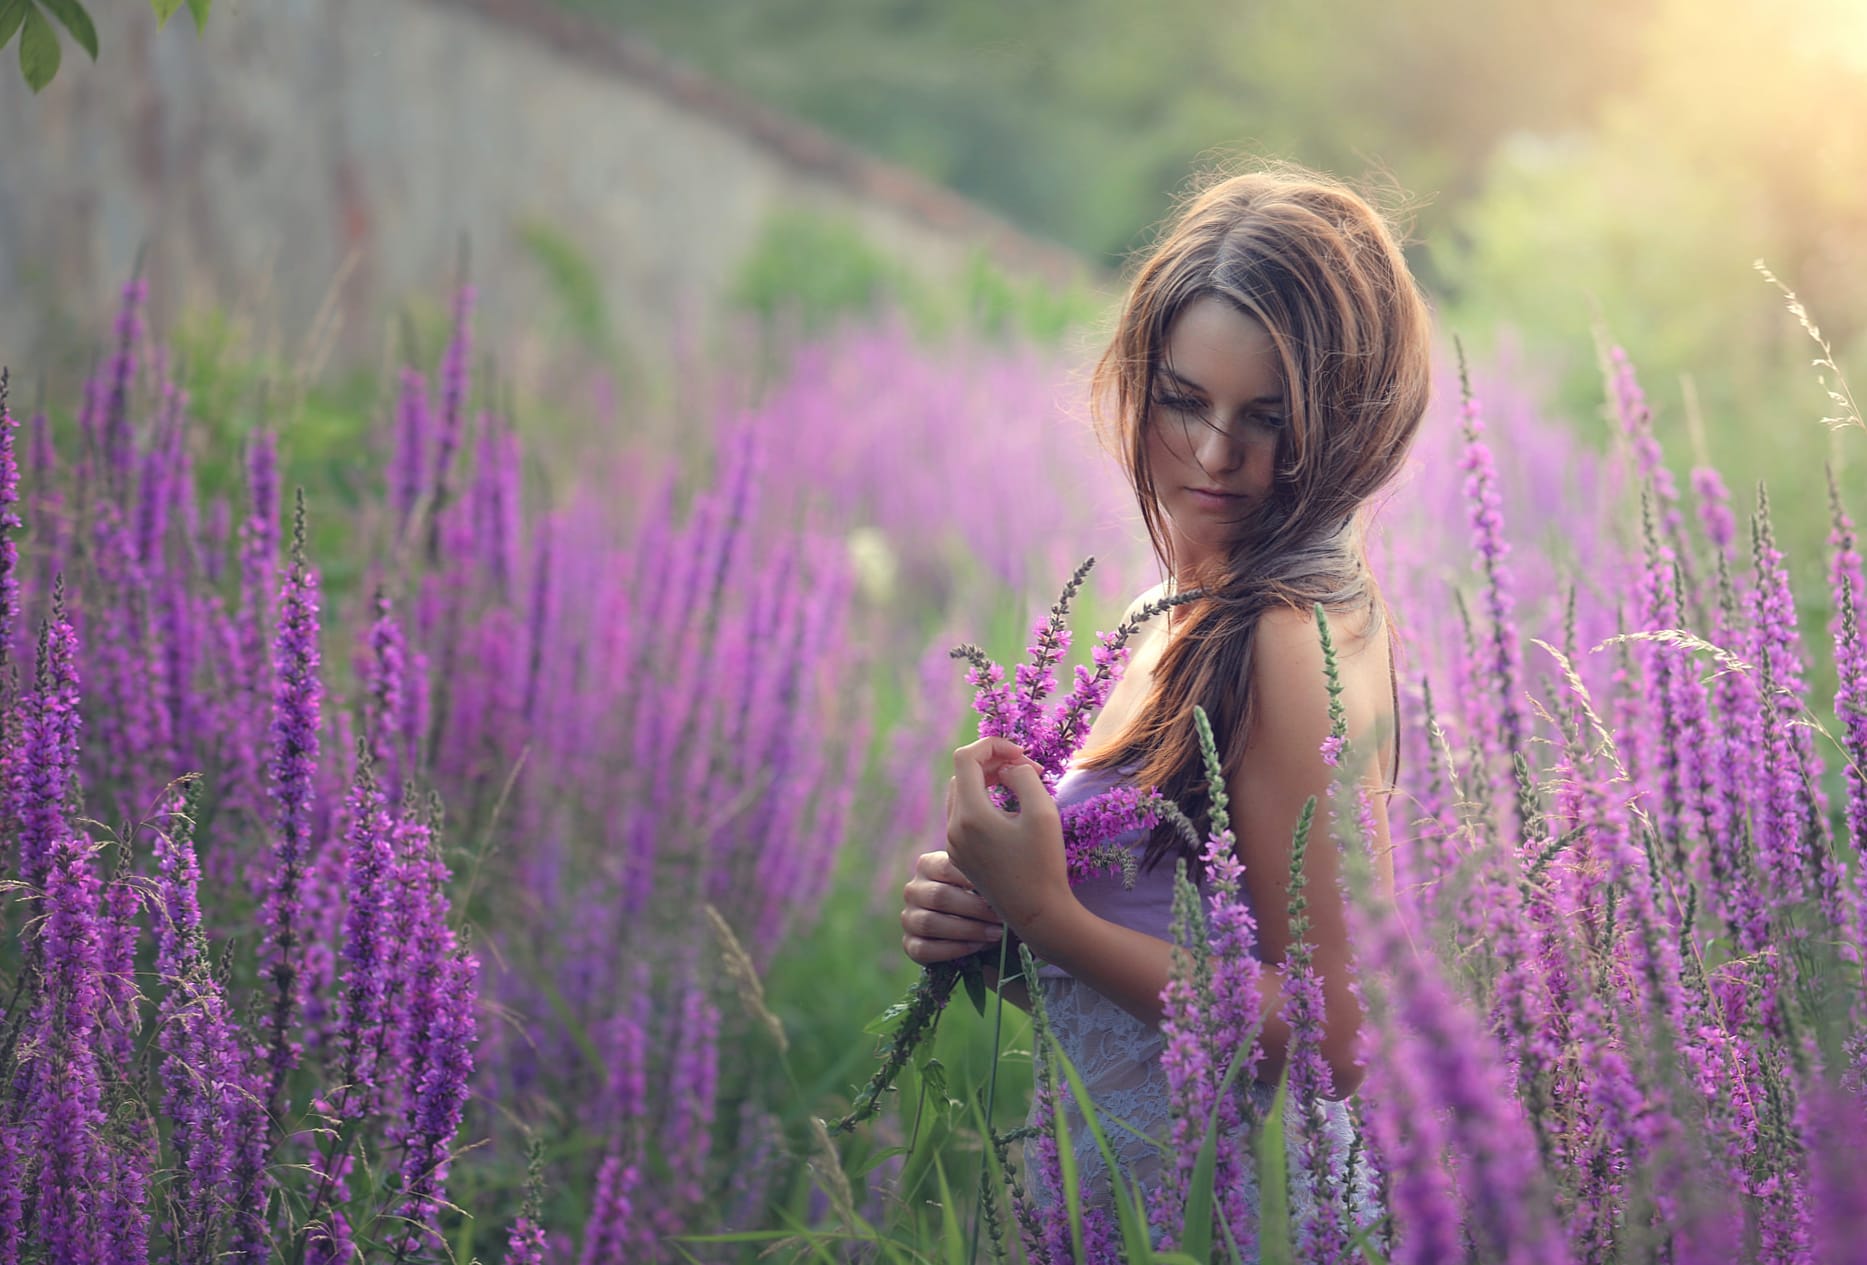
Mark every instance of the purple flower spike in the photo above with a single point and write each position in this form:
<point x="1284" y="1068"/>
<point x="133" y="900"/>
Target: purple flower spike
<point x="113" y="436"/>
<point x="454" y="384"/>
<point x="1091" y="826"/>
<point x="386" y="708"/>
<point x="614" y="1232"/>
<point x="525" y="1242"/>
<point x="9" y="522"/>
<point x="48" y="746"/>
<point x="1849" y="589"/>
<point x="12" y="1193"/>
<point x="295" y="722"/>
<point x="1493" y="557"/>
<point x="368" y="859"/>
<point x="201" y="1073"/>
<point x="437" y="1099"/>
<point x="408" y="469"/>
<point x="1714" y="508"/>
<point x="63" y="1093"/>
<point x="1637" y="424"/>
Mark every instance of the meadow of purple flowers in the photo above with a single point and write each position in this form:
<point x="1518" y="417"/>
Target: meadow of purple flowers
<point x="319" y="913"/>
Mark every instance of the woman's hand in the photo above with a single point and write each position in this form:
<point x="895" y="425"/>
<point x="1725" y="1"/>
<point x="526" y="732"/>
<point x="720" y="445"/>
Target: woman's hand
<point x="1014" y="860"/>
<point x="943" y="918"/>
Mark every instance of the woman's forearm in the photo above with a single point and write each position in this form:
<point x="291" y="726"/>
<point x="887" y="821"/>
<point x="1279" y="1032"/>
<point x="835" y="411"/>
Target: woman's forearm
<point x="1131" y="968"/>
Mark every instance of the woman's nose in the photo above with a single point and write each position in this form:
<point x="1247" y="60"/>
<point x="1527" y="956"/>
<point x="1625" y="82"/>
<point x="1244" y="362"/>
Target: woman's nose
<point x="1217" y="448"/>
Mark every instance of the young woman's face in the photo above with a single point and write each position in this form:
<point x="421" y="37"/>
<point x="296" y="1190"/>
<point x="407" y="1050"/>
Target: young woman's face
<point x="1213" y="424"/>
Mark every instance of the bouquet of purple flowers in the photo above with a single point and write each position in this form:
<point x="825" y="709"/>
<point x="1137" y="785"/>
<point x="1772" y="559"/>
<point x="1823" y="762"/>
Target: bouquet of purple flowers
<point x="1018" y="709"/>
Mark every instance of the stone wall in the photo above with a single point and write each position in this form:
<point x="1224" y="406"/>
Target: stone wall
<point x="307" y="156"/>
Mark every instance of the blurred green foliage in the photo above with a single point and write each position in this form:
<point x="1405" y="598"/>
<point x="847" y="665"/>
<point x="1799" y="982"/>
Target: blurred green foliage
<point x="811" y="269"/>
<point x="574" y="283"/>
<point x="325" y="428"/>
<point x="815" y="268"/>
<point x="1078" y="119"/>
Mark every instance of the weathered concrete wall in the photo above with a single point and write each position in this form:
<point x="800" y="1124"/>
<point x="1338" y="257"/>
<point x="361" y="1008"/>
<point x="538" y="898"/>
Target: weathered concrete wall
<point x="311" y="150"/>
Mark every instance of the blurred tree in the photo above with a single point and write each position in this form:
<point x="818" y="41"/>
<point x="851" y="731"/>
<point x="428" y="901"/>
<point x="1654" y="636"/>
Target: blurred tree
<point x="1079" y="120"/>
<point x="1742" y="133"/>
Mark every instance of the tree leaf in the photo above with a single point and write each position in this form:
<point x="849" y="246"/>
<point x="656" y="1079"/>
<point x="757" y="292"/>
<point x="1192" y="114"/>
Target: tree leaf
<point x="199" y="8"/>
<point x="75" y="20"/>
<point x="38" y="50"/>
<point x="12" y="13"/>
<point x="165" y="9"/>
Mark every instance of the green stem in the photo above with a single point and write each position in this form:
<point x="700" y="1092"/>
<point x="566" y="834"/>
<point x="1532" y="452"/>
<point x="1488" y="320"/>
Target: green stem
<point x="991" y="1094"/>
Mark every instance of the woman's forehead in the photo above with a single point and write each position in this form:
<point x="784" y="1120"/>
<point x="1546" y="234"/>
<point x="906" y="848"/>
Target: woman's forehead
<point x="1224" y="353"/>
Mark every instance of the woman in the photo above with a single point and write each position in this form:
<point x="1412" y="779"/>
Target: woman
<point x="1267" y="375"/>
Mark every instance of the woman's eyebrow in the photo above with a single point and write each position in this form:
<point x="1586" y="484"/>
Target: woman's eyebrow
<point x="1274" y="397"/>
<point x="1185" y="383"/>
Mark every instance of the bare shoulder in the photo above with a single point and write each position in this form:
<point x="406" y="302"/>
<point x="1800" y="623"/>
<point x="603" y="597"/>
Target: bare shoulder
<point x="1290" y="689"/>
<point x="1289" y="683"/>
<point x="1290" y="630"/>
<point x="1152" y="595"/>
<point x="1154" y="627"/>
<point x="1288" y="633"/>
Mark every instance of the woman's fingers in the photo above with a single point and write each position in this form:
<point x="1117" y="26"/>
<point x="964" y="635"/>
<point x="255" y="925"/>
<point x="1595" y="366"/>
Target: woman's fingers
<point x="927" y="952"/>
<point x="948" y="898"/>
<point x="938" y="867"/>
<point x="931" y="924"/>
<point x="943" y="917"/>
<point x="978" y="765"/>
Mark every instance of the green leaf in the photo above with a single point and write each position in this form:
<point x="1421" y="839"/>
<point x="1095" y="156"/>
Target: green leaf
<point x="199" y="9"/>
<point x="952" y="1238"/>
<point x="165" y="9"/>
<point x="75" y="20"/>
<point x="933" y="1071"/>
<point x="975" y="989"/>
<point x="1131" y="1218"/>
<point x="1066" y="1166"/>
<point x="12" y="13"/>
<point x="1196" y="1229"/>
<point x="38" y="50"/>
<point x="1274" y="1184"/>
<point x="883" y="1022"/>
<point x="878" y="1159"/>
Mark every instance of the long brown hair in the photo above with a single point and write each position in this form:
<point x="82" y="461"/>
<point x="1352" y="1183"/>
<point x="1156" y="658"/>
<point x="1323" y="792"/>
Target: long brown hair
<point x="1323" y="272"/>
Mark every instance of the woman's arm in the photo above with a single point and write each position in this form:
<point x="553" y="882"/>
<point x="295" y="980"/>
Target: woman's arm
<point x="1282" y="768"/>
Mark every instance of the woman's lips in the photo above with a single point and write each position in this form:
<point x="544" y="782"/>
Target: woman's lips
<point x="1217" y="500"/>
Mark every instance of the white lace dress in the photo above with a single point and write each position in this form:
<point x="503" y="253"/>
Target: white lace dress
<point x="1119" y="1057"/>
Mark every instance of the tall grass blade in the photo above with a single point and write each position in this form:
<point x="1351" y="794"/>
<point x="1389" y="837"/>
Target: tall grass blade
<point x="1274" y="1184"/>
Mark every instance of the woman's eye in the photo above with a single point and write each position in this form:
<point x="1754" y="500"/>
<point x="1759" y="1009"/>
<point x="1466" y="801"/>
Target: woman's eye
<point x="1178" y="403"/>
